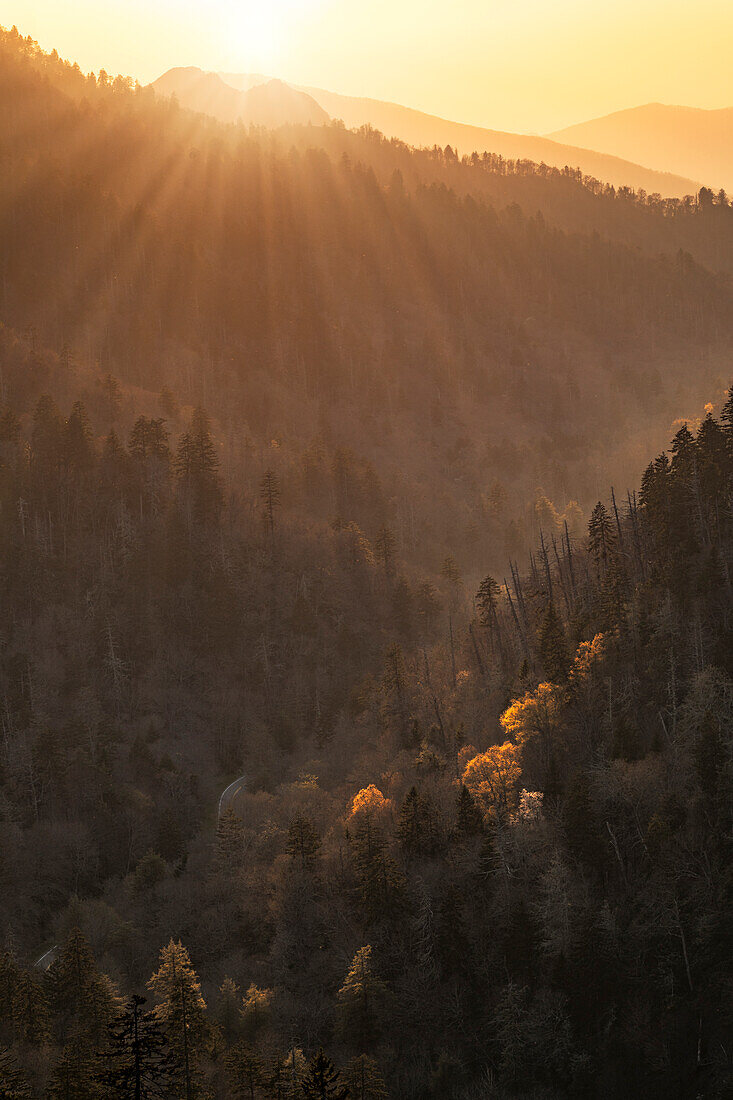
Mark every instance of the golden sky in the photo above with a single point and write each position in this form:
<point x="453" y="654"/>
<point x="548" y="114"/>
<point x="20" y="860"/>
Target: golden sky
<point x="525" y="65"/>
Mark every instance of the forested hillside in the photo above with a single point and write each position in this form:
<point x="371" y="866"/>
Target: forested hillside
<point x="300" y="467"/>
<point x="397" y="305"/>
<point x="488" y="862"/>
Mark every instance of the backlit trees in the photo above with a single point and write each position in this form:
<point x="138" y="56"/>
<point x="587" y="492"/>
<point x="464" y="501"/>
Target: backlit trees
<point x="492" y="778"/>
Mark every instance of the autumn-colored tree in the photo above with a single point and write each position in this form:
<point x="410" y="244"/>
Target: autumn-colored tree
<point x="534" y="723"/>
<point x="492" y="777"/>
<point x="362" y="999"/>
<point x="256" y="1009"/>
<point x="181" y="1009"/>
<point x="379" y="880"/>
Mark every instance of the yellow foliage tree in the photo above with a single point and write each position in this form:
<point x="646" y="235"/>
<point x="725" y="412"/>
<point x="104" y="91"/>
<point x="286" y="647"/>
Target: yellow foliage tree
<point x="370" y="800"/>
<point x="256" y="1008"/>
<point x="493" y="777"/>
<point x="587" y="658"/>
<point x="588" y="694"/>
<point x="532" y="722"/>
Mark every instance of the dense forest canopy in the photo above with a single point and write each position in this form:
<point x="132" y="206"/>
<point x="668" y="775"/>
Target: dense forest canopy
<point x="302" y="439"/>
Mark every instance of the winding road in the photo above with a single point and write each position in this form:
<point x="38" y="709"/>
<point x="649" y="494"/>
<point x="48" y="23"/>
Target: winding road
<point x="228" y="795"/>
<point x="45" y="960"/>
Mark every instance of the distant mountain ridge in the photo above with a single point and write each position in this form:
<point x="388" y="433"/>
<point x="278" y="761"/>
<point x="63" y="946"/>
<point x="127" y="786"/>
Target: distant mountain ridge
<point x="265" y="102"/>
<point x="687" y="140"/>
<point x="420" y="129"/>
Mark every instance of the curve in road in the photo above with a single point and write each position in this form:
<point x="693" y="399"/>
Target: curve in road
<point x="229" y="794"/>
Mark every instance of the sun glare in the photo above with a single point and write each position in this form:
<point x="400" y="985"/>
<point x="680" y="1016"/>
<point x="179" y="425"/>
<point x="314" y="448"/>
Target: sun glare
<point x="259" y="32"/>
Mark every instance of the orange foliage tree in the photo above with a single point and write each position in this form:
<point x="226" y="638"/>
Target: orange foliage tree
<point x="493" y="778"/>
<point x="532" y="722"/>
<point x="370" y="800"/>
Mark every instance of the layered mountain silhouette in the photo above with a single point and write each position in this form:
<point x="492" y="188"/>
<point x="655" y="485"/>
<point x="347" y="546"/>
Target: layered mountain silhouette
<point x="211" y="93"/>
<point x="264" y="102"/>
<point x="686" y="140"/>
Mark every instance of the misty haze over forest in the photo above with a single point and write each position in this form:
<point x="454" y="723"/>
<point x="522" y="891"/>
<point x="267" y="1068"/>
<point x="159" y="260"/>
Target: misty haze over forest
<point x="365" y="561"/>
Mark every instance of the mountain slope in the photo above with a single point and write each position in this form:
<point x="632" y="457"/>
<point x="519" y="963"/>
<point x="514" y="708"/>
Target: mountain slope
<point x="686" y="140"/>
<point x="373" y="311"/>
<point x="270" y="103"/>
<point x="420" y="129"/>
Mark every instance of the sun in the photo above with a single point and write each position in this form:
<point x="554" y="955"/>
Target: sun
<point x="260" y="31"/>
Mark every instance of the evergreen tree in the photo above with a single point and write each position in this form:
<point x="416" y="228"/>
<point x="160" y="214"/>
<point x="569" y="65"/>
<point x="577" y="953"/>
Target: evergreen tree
<point x="322" y="1081"/>
<point x="78" y="448"/>
<point x="553" y="650"/>
<point x="379" y="880"/>
<point x="364" y="1080"/>
<point x="395" y="687"/>
<point x="9" y="971"/>
<point x="417" y="826"/>
<point x="112" y="463"/>
<point x="600" y="537"/>
<point x="197" y="469"/>
<point x="303" y="843"/>
<point x="469" y="819"/>
<point x="582" y="834"/>
<point x="76" y="1075"/>
<point x="487" y="600"/>
<point x="31" y="1018"/>
<point x="14" y="1084"/>
<point x="229" y="839"/>
<point x="137" y="1060"/>
<point x="82" y="998"/>
<point x="228" y="1011"/>
<point x="270" y="498"/>
<point x="655" y="500"/>
<point x="256" y="1010"/>
<point x="384" y="546"/>
<point x="245" y="1071"/>
<point x="182" y="1010"/>
<point x="47" y="436"/>
<point x="684" y="452"/>
<point x="284" y="1075"/>
<point x="726" y="416"/>
<point x="112" y="395"/>
<point x="148" y="440"/>
<point x="362" y="999"/>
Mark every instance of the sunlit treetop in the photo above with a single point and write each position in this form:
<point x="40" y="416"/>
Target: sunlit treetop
<point x="370" y="800"/>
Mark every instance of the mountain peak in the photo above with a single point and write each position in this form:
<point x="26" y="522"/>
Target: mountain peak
<point x="694" y="141"/>
<point x="270" y="103"/>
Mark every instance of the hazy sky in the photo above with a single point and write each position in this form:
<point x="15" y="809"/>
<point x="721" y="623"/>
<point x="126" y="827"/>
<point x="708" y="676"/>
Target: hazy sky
<point x="531" y="65"/>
